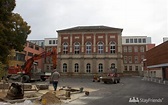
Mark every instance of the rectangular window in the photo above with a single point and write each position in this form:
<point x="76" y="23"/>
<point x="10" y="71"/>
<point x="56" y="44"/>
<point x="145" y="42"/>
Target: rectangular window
<point x="88" y="49"/>
<point x="50" y="41"/>
<point x="100" y="68"/>
<point x="135" y="41"/>
<point x="144" y="40"/>
<point x="51" y="67"/>
<point x="100" y="49"/>
<point x="125" y="59"/>
<point x="65" y="49"/>
<point x="139" y="40"/>
<point x="136" y="68"/>
<point x="53" y="41"/>
<point x="48" y="67"/>
<point x="129" y="49"/>
<point x="131" y="40"/>
<point x="136" y="59"/>
<point x="64" y="67"/>
<point x="125" y="68"/>
<point x="142" y="49"/>
<point x="30" y="54"/>
<point x="135" y="49"/>
<point x="77" y="49"/>
<point x="125" y="49"/>
<point x="130" y="59"/>
<point x="112" y="49"/>
<point x="127" y="40"/>
<point x="130" y="68"/>
<point x="20" y="57"/>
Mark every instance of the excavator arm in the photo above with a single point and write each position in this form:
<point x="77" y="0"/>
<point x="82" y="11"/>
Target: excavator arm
<point x="29" y="62"/>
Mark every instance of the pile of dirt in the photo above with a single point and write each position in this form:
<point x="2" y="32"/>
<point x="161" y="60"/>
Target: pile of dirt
<point x="50" y="98"/>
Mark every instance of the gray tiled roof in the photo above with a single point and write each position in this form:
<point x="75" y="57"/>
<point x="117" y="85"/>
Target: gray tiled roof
<point x="88" y="28"/>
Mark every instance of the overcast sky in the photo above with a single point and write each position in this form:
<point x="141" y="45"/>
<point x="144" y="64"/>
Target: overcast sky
<point x="136" y="17"/>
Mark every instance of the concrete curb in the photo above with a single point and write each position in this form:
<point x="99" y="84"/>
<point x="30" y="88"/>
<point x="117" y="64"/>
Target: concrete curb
<point x="156" y="80"/>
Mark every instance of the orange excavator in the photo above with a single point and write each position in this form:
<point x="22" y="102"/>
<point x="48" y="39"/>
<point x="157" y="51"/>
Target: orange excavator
<point x="24" y="73"/>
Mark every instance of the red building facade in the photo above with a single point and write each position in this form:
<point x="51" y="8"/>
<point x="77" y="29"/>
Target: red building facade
<point x="134" y="52"/>
<point x="89" y="50"/>
<point x="157" y="60"/>
<point x="32" y="49"/>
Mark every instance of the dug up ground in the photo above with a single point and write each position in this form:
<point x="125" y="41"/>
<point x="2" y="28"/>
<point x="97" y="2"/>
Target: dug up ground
<point x="35" y="95"/>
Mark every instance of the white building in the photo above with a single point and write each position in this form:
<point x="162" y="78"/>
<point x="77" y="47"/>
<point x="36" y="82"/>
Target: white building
<point x="37" y="42"/>
<point x="49" y="43"/>
<point x="136" y="40"/>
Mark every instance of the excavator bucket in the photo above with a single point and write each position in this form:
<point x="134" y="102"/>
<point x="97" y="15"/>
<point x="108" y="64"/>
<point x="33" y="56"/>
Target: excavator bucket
<point x="15" y="92"/>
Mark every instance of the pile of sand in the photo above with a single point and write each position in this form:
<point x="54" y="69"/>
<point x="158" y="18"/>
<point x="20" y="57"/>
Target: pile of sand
<point x="50" y="98"/>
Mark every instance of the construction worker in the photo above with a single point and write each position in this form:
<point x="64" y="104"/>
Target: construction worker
<point x="55" y="78"/>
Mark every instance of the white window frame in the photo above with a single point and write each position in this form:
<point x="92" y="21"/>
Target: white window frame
<point x="129" y="49"/>
<point x="113" y="47"/>
<point x="142" y="49"/>
<point x="100" y="47"/>
<point x="76" y="47"/>
<point x="135" y="40"/>
<point x="64" y="68"/>
<point x="135" y="48"/>
<point x="127" y="40"/>
<point x="76" y="68"/>
<point x="125" y="49"/>
<point x="130" y="59"/>
<point x="88" y="68"/>
<point x="65" y="48"/>
<point x="125" y="59"/>
<point x="88" y="48"/>
<point x="100" y="69"/>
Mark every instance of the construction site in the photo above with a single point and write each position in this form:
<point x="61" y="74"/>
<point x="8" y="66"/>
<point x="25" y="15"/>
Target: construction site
<point x="15" y="93"/>
<point x="25" y="85"/>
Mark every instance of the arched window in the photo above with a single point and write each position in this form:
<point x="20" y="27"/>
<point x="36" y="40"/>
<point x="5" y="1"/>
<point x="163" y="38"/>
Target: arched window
<point x="76" y="48"/>
<point x="76" y="67"/>
<point x="65" y="48"/>
<point x="112" y="47"/>
<point x="100" y="68"/>
<point x="88" y="68"/>
<point x="64" y="67"/>
<point x="88" y="47"/>
<point x="100" y="47"/>
<point x="112" y="65"/>
<point x="113" y="68"/>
